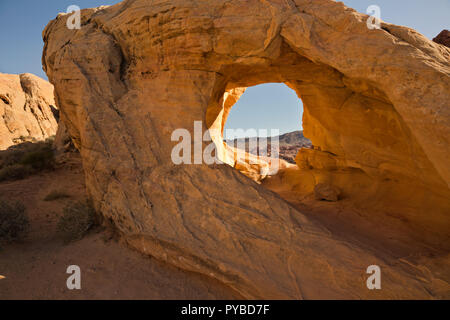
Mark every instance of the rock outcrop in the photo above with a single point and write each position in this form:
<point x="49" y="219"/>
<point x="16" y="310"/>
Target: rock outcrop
<point x="376" y="110"/>
<point x="27" y="109"/>
<point x="443" y="38"/>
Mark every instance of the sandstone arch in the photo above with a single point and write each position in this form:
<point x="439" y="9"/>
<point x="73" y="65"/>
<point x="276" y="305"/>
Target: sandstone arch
<point x="136" y="71"/>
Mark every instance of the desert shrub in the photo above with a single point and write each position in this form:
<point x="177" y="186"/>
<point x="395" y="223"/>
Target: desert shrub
<point x="11" y="156"/>
<point x="40" y="159"/>
<point x="24" y="159"/>
<point x="56" y="195"/>
<point x="15" y="172"/>
<point x="13" y="221"/>
<point x="77" y="219"/>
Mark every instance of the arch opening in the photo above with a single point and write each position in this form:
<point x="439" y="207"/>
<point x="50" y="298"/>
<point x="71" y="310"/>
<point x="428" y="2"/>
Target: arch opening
<point x="363" y="152"/>
<point x="264" y="125"/>
<point x="305" y="78"/>
<point x="265" y="107"/>
<point x="360" y="145"/>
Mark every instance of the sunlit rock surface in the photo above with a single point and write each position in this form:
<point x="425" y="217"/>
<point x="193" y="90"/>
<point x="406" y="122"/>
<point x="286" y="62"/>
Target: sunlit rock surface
<point x="27" y="109"/>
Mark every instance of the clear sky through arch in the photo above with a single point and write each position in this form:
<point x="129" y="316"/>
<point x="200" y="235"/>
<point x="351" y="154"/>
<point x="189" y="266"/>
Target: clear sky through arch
<point x="267" y="106"/>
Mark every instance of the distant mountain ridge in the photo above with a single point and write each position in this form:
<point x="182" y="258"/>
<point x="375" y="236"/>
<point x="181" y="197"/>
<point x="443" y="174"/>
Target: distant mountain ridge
<point x="289" y="144"/>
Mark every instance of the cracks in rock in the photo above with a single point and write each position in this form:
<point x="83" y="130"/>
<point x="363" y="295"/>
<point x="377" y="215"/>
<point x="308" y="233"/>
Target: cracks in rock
<point x="274" y="30"/>
<point x="5" y="99"/>
<point x="300" y="294"/>
<point x="6" y="123"/>
<point x="31" y="103"/>
<point x="181" y="214"/>
<point x="155" y="134"/>
<point x="124" y="62"/>
<point x="36" y="117"/>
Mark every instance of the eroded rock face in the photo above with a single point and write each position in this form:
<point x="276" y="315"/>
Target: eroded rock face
<point x="27" y="109"/>
<point x="376" y="110"/>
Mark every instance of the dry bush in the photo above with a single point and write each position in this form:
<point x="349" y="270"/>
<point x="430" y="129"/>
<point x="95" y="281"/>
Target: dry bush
<point x="13" y="221"/>
<point x="25" y="159"/>
<point x="15" y="172"/>
<point x="39" y="159"/>
<point x="77" y="219"/>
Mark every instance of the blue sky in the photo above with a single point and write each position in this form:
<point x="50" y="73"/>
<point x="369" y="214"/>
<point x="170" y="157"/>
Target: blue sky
<point x="267" y="106"/>
<point x="21" y="26"/>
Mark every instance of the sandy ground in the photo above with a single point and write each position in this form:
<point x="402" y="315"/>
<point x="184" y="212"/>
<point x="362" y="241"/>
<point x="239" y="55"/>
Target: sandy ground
<point x="35" y="268"/>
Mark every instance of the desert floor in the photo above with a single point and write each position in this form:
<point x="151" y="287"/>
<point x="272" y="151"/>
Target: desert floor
<point x="35" y="268"/>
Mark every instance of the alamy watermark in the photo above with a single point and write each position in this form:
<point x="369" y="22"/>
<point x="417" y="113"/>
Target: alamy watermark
<point x="74" y="20"/>
<point x="374" y="20"/>
<point x="74" y="280"/>
<point x="374" y="281"/>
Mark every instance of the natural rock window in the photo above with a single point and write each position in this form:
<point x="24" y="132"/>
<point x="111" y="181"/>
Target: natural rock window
<point x="266" y="119"/>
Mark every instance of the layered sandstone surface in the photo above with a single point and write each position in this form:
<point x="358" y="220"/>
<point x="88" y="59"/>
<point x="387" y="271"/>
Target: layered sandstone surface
<point x="27" y="109"/>
<point x="376" y="110"/>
